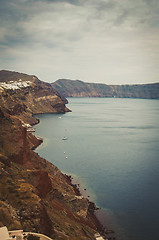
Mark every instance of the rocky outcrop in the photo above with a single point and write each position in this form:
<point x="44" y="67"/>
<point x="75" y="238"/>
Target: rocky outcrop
<point x="77" y="88"/>
<point x="23" y="95"/>
<point x="34" y="194"/>
<point x="41" y="181"/>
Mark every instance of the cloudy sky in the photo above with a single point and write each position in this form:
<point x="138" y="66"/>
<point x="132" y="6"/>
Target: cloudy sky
<point x="107" y="41"/>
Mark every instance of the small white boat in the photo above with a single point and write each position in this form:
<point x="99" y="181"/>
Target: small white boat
<point x="64" y="138"/>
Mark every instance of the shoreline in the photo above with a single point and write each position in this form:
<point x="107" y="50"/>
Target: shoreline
<point x="92" y="206"/>
<point x="103" y="230"/>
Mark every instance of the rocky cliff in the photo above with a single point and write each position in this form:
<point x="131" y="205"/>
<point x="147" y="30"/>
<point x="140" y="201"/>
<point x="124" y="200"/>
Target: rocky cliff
<point x="77" y="88"/>
<point x="34" y="194"/>
<point x="24" y="95"/>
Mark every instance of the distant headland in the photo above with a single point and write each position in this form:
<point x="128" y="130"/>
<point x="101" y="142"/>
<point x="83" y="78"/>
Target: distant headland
<point x="77" y="88"/>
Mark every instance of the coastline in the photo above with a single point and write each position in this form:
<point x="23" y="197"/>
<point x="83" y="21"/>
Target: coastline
<point x="104" y="232"/>
<point x="93" y="209"/>
<point x="92" y="206"/>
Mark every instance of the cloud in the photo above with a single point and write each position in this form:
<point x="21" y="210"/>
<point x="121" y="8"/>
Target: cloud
<point x="102" y="40"/>
<point x="73" y="2"/>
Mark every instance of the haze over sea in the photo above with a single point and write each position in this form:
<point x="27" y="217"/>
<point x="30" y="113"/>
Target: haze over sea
<point x="113" y="150"/>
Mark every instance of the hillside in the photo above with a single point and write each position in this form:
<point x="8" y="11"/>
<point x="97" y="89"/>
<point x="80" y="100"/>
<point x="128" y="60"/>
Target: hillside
<point x="34" y="194"/>
<point x="77" y="88"/>
<point x="24" y="95"/>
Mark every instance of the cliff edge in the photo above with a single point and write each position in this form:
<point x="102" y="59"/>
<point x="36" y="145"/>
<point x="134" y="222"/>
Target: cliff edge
<point x="77" y="88"/>
<point x="34" y="194"/>
<point x="23" y="95"/>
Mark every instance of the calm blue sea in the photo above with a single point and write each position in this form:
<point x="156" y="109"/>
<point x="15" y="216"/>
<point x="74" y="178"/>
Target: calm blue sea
<point x="113" y="151"/>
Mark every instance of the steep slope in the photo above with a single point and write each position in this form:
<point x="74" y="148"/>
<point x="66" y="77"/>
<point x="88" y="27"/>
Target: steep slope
<point x="34" y="195"/>
<point x="77" y="88"/>
<point x="23" y="95"/>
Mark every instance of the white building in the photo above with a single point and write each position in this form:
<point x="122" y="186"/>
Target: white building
<point x="98" y="236"/>
<point x="18" y="234"/>
<point x="4" y="234"/>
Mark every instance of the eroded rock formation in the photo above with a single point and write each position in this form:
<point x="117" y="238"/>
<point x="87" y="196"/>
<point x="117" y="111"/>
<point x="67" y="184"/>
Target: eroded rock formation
<point x="34" y="194"/>
<point x="24" y="95"/>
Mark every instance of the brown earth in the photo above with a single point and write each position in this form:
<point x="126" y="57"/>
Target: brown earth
<point x="38" y="97"/>
<point x="34" y="194"/>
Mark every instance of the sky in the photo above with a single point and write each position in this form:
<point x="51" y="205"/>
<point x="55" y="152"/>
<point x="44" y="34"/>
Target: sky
<point x="102" y="41"/>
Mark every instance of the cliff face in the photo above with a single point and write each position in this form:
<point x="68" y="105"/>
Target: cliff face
<point x="23" y="95"/>
<point x="71" y="88"/>
<point x="34" y="195"/>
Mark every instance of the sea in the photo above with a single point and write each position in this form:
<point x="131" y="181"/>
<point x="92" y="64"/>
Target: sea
<point x="112" y="152"/>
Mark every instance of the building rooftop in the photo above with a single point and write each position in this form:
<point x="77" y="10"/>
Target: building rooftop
<point x="19" y="234"/>
<point x="4" y="234"/>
